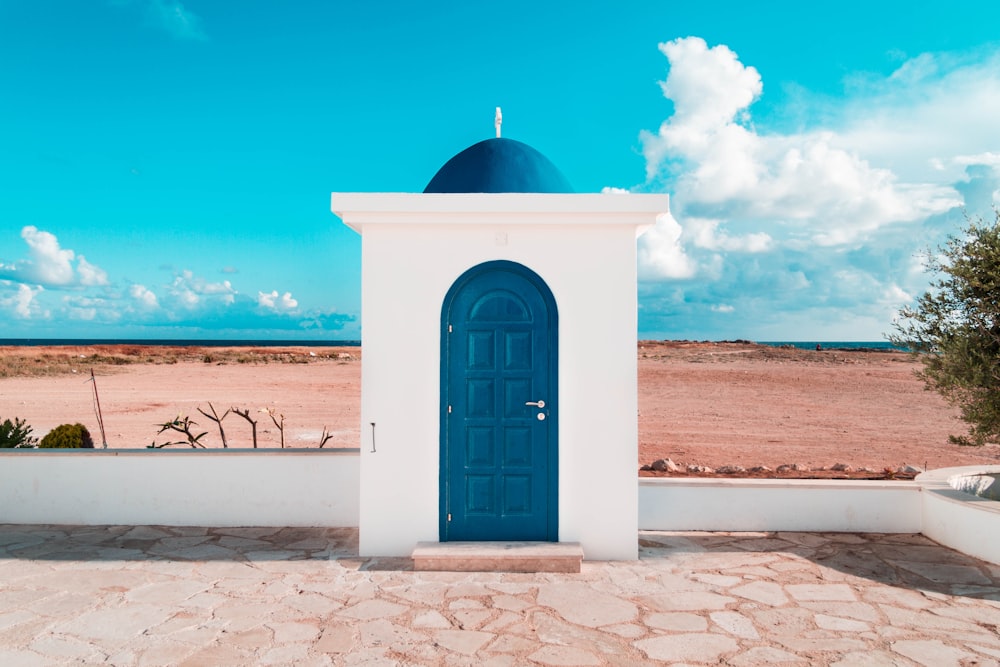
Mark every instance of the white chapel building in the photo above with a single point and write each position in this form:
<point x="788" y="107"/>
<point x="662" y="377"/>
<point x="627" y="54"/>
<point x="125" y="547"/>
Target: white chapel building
<point x="498" y="381"/>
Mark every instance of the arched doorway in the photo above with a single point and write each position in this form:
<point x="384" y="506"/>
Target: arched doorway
<point x="499" y="406"/>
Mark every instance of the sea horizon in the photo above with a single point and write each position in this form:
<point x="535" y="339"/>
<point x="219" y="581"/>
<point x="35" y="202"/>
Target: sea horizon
<point x="176" y="342"/>
<point x="215" y="342"/>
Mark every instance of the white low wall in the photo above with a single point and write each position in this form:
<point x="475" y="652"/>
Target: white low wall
<point x="959" y="519"/>
<point x="859" y="506"/>
<point x="318" y="487"/>
<point x="205" y="487"/>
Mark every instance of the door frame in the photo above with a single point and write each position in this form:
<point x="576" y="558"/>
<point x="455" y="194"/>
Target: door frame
<point x="552" y="335"/>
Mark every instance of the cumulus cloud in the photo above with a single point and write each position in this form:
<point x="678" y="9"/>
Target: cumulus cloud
<point x="805" y="182"/>
<point x="191" y="301"/>
<point x="190" y="291"/>
<point x="82" y="294"/>
<point x="50" y="265"/>
<point x="89" y="274"/>
<point x="280" y="304"/>
<point x="825" y="219"/>
<point x="709" y="86"/>
<point x="660" y="251"/>
<point x="90" y="309"/>
<point x="705" y="233"/>
<point x="143" y="297"/>
<point x="20" y="300"/>
<point x="933" y="116"/>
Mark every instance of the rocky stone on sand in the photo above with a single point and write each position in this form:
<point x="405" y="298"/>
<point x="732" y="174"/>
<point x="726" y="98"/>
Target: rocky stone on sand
<point x="701" y="469"/>
<point x="908" y="469"/>
<point x="792" y="467"/>
<point x="730" y="470"/>
<point x="664" y="465"/>
<point x="841" y="467"/>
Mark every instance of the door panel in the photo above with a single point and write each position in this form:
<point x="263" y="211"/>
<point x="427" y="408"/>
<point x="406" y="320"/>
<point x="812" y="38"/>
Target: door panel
<point x="499" y="455"/>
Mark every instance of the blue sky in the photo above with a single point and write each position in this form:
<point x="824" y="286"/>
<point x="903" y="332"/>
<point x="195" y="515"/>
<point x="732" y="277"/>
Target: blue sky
<point x="166" y="166"/>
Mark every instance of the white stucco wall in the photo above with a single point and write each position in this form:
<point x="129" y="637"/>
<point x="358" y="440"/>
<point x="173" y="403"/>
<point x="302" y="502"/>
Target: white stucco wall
<point x="843" y="506"/>
<point x="414" y="247"/>
<point x="223" y="487"/>
<point x="958" y="519"/>
<point x="321" y="488"/>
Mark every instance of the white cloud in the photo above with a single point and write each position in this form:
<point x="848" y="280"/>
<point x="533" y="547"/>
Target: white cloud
<point x="22" y="302"/>
<point x="90" y="275"/>
<point x="271" y="301"/>
<point x="191" y="291"/>
<point x="78" y="312"/>
<point x="144" y="297"/>
<point x="824" y="219"/>
<point x="932" y="110"/>
<point x="50" y="265"/>
<point x="803" y="182"/>
<point x="705" y="233"/>
<point x="710" y="87"/>
<point x="660" y="251"/>
<point x="91" y="309"/>
<point x="988" y="159"/>
<point x="189" y="302"/>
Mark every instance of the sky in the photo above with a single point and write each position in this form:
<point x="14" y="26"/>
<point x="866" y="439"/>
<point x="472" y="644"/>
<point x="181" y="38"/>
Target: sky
<point x="166" y="166"/>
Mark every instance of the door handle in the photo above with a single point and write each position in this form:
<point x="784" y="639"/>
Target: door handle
<point x="537" y="404"/>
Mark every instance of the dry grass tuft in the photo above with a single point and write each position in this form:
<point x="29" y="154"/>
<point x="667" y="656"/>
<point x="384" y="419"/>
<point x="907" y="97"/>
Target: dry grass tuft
<point x="18" y="361"/>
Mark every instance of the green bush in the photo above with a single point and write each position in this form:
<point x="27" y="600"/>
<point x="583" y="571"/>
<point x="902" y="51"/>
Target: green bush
<point x="67" y="436"/>
<point x="16" y="434"/>
<point x="954" y="329"/>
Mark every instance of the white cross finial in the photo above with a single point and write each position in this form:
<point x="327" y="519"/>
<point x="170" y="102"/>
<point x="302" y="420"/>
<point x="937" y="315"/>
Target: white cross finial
<point x="498" y="121"/>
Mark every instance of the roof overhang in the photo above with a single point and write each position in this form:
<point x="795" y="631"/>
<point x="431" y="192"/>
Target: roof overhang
<point x="358" y="209"/>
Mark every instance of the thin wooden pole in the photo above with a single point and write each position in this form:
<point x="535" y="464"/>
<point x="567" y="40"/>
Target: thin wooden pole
<point x="97" y="409"/>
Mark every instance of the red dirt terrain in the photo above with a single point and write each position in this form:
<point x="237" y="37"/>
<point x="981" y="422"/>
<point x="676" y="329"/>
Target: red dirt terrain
<point x="748" y="405"/>
<point x="704" y="404"/>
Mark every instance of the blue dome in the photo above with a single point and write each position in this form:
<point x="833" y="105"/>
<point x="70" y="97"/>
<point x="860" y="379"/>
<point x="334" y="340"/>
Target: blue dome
<point x="499" y="165"/>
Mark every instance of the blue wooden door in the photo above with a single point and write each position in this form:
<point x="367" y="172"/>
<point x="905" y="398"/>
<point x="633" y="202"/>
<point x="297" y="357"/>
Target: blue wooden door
<point x="499" y="447"/>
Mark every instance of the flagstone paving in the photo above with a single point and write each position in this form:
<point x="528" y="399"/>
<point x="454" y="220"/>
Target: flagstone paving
<point x="155" y="595"/>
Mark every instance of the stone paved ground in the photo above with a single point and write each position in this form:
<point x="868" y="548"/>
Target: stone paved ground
<point x="125" y="595"/>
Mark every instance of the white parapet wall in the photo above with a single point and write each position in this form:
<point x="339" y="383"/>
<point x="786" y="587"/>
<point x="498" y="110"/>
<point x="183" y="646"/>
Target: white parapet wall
<point x="860" y="506"/>
<point x="203" y="487"/>
<point x="959" y="519"/>
<point x="300" y="487"/>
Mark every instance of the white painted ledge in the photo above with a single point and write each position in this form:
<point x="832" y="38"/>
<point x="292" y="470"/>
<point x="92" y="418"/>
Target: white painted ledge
<point x="320" y="487"/>
<point x="958" y="519"/>
<point x="361" y="209"/>
<point x="205" y="487"/>
<point x="861" y="506"/>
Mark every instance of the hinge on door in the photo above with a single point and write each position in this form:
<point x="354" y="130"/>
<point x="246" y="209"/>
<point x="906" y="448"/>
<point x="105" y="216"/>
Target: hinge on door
<point x="449" y="328"/>
<point x="449" y="409"/>
<point x="449" y="517"/>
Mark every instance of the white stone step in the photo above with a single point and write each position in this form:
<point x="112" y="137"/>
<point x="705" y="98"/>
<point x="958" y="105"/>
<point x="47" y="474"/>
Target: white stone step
<point x="497" y="556"/>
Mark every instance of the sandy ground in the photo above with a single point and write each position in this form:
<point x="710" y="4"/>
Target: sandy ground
<point x="710" y="404"/>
